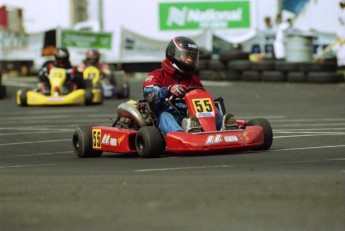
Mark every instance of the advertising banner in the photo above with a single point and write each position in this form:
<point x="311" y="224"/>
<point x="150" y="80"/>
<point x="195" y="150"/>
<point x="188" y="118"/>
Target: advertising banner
<point x="136" y="47"/>
<point x="83" y="39"/>
<point x="202" y="15"/>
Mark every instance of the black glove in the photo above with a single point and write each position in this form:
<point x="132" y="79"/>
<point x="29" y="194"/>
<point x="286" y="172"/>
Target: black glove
<point x="177" y="90"/>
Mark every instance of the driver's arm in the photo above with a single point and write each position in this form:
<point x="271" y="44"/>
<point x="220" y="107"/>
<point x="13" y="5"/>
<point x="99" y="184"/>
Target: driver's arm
<point x="155" y="95"/>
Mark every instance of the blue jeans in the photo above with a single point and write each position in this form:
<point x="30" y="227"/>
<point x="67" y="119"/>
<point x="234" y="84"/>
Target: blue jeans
<point x="168" y="122"/>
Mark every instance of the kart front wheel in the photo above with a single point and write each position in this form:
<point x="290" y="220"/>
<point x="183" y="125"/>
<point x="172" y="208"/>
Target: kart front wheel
<point x="82" y="143"/>
<point x="149" y="142"/>
<point x="268" y="134"/>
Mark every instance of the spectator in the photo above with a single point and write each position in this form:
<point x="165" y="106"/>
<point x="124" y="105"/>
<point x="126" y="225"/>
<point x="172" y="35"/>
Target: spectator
<point x="280" y="39"/>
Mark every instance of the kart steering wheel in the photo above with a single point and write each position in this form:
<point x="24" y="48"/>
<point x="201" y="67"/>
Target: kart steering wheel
<point x="195" y="87"/>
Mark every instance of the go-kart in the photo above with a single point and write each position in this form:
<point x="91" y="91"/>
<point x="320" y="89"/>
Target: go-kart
<point x="88" y="92"/>
<point x="115" y="85"/>
<point x="134" y="131"/>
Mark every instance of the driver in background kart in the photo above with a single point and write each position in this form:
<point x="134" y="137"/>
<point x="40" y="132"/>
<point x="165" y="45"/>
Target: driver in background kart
<point x="92" y="58"/>
<point x="61" y="61"/>
<point x="173" y="79"/>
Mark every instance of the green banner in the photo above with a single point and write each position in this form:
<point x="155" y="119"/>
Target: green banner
<point x="201" y="15"/>
<point x="82" y="39"/>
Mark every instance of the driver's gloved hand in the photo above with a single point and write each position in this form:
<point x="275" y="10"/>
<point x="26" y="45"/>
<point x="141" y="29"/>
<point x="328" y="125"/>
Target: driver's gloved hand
<point x="177" y="90"/>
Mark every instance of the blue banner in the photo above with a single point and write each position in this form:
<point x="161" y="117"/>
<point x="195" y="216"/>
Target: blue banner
<point x="294" y="6"/>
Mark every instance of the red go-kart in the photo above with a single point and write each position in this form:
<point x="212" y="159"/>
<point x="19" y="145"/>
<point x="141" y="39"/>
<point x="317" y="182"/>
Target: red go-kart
<point x="134" y="131"/>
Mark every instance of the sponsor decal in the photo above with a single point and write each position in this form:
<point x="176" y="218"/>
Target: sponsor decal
<point x="205" y="114"/>
<point x="214" y="139"/>
<point x="120" y="139"/>
<point x="229" y="139"/>
<point x="113" y="142"/>
<point x="149" y="78"/>
<point x="55" y="99"/>
<point x="106" y="139"/>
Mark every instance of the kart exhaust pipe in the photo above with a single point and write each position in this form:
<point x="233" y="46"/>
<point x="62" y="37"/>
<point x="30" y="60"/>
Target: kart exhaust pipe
<point x="130" y="111"/>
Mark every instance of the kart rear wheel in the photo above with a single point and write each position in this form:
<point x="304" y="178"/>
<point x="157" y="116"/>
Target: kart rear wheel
<point x="23" y="98"/>
<point x="149" y="142"/>
<point x="268" y="134"/>
<point x="88" y="96"/>
<point x="82" y="143"/>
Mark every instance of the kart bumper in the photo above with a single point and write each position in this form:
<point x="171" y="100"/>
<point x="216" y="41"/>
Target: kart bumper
<point x="34" y="98"/>
<point x="249" y="138"/>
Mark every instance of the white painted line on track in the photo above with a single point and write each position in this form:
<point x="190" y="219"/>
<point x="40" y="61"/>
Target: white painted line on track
<point x="35" y="132"/>
<point x="307" y="148"/>
<point x="294" y="136"/>
<point x="28" y="165"/>
<point x="34" y="142"/>
<point x="273" y="163"/>
<point x="37" y="154"/>
<point x="234" y="165"/>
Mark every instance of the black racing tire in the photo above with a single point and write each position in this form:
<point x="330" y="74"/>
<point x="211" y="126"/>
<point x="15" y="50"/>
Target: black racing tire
<point x="209" y="75"/>
<point x="226" y="55"/>
<point x="203" y="64"/>
<point x="268" y="134"/>
<point x="23" y="98"/>
<point x="215" y="64"/>
<point x="314" y="67"/>
<point x="88" y="96"/>
<point x="149" y="142"/>
<point x="230" y="75"/>
<point x="82" y="143"/>
<point x="2" y="91"/>
<point x="239" y="65"/>
<point x="262" y="66"/>
<point x="324" y="77"/>
<point x="251" y="76"/>
<point x="296" y="76"/>
<point x="125" y="92"/>
<point x="273" y="76"/>
<point x="286" y="66"/>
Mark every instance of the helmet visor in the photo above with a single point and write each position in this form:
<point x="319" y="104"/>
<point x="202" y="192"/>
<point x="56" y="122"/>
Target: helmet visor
<point x="187" y="57"/>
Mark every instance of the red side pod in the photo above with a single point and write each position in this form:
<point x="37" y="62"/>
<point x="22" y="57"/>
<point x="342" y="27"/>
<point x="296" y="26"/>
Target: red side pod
<point x="110" y="139"/>
<point x="182" y="142"/>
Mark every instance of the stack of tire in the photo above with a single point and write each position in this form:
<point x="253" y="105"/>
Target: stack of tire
<point x="235" y="65"/>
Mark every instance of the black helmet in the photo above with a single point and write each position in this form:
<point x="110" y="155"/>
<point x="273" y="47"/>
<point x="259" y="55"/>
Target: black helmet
<point x="61" y="56"/>
<point x="183" y="53"/>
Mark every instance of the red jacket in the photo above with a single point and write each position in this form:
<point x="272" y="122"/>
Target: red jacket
<point x="167" y="76"/>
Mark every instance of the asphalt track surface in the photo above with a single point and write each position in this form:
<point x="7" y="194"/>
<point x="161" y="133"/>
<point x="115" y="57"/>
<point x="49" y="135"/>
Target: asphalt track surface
<point x="299" y="184"/>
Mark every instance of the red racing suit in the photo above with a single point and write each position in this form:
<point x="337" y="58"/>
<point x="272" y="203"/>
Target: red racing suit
<point x="155" y="86"/>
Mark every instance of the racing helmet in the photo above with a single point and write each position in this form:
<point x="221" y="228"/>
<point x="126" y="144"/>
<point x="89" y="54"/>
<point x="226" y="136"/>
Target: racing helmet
<point x="92" y="56"/>
<point x="183" y="54"/>
<point x="61" y="57"/>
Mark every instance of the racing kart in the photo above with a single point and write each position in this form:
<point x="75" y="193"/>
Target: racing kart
<point x="134" y="131"/>
<point x="88" y="92"/>
<point x="115" y="86"/>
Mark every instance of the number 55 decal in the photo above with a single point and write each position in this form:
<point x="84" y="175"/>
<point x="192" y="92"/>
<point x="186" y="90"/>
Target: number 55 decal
<point x="96" y="138"/>
<point x="203" y="105"/>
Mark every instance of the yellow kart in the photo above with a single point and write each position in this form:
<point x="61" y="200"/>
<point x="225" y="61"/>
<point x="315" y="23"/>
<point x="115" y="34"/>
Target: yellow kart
<point x="88" y="93"/>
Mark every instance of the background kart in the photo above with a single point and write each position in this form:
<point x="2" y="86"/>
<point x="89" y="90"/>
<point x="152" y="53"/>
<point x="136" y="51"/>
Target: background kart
<point x="89" y="92"/>
<point x="115" y="86"/>
<point x="134" y="131"/>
